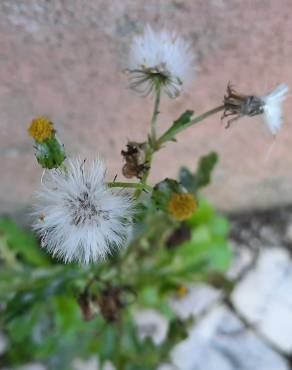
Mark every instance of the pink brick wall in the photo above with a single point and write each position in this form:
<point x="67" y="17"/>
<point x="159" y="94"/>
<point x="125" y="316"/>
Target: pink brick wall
<point x="64" y="59"/>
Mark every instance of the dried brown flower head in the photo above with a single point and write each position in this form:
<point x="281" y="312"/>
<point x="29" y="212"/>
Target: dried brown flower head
<point x="108" y="301"/>
<point x="112" y="300"/>
<point x="237" y="105"/>
<point x="88" y="305"/>
<point x="135" y="158"/>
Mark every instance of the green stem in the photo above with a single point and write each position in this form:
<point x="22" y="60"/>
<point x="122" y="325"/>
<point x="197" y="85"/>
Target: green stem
<point x="155" y="115"/>
<point x="119" y="333"/>
<point x="119" y="324"/>
<point x="154" y="144"/>
<point x="148" y="160"/>
<point x="152" y="141"/>
<point x="171" y="133"/>
<point x="132" y="185"/>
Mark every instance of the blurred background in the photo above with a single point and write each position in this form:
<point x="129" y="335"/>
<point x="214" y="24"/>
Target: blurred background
<point x="65" y="59"/>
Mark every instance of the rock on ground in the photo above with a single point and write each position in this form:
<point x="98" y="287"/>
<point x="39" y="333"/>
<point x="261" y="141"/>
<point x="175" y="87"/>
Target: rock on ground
<point x="221" y="342"/>
<point x="264" y="297"/>
<point x="199" y="297"/>
<point x="150" y="323"/>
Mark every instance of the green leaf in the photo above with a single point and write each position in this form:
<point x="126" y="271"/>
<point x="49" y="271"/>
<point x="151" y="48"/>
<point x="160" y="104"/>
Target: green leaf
<point x="201" y="234"/>
<point x="219" y="256"/>
<point x="149" y="297"/>
<point x="178" y="125"/>
<point x="203" y="215"/>
<point x="163" y="191"/>
<point x="37" y="289"/>
<point x="187" y="179"/>
<point x="23" y="243"/>
<point x="183" y="119"/>
<point x="205" y="168"/>
<point x="205" y="252"/>
<point x="202" y="177"/>
<point x="219" y="226"/>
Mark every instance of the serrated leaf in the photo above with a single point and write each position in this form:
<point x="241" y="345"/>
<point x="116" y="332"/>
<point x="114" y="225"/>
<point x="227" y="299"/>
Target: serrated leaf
<point x="187" y="179"/>
<point x="202" y="176"/>
<point x="205" y="168"/>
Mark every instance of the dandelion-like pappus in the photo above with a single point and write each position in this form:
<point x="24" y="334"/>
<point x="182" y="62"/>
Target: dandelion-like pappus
<point x="159" y="59"/>
<point x="79" y="218"/>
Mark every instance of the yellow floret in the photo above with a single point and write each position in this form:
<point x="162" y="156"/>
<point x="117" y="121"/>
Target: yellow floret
<point x="41" y="129"/>
<point x="182" y="291"/>
<point x="182" y="205"/>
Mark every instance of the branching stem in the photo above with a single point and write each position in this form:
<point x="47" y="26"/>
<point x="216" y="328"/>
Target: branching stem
<point x="171" y="133"/>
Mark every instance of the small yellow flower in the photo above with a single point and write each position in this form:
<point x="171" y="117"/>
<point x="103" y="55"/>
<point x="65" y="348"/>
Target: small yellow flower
<point x="182" y="205"/>
<point x="41" y="129"/>
<point x="182" y="291"/>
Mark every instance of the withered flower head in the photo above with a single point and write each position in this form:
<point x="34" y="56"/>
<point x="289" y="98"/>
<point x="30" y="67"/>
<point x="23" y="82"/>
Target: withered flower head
<point x="135" y="157"/>
<point x="108" y="301"/>
<point x="112" y="300"/>
<point x="88" y="305"/>
<point x="110" y="304"/>
<point x="237" y="105"/>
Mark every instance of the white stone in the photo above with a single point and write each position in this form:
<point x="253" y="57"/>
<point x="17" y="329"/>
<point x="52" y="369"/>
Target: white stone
<point x="166" y="367"/>
<point x="150" y="323"/>
<point x="288" y="232"/>
<point x="221" y="342"/>
<point x="197" y="300"/>
<point x="107" y="366"/>
<point x="33" y="366"/>
<point x="269" y="235"/>
<point x="264" y="297"/>
<point x="91" y="364"/>
<point x="242" y="258"/>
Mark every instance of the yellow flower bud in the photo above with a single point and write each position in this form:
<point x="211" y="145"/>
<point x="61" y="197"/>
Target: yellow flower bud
<point x="41" y="129"/>
<point x="182" y="205"/>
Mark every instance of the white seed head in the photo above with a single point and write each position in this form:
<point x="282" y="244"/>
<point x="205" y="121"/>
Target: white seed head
<point x="160" y="57"/>
<point x="78" y="217"/>
<point x="273" y="107"/>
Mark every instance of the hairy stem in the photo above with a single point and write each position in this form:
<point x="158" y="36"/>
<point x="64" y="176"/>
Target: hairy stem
<point x="155" y="115"/>
<point x="152" y="141"/>
<point x="132" y="185"/>
<point x="171" y="133"/>
<point x="148" y="160"/>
